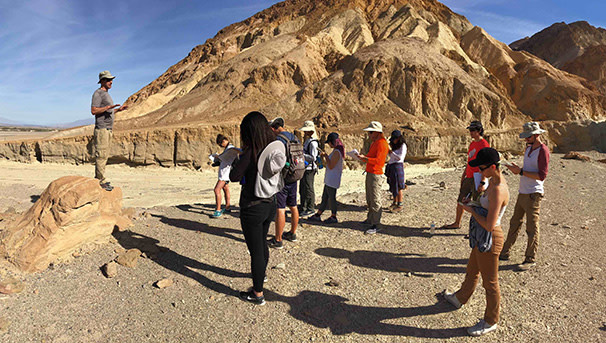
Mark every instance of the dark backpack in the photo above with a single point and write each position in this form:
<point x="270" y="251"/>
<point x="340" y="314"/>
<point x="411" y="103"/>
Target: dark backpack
<point x="295" y="160"/>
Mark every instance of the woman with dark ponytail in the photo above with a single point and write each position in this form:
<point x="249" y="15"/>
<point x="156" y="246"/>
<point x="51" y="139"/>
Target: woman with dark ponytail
<point x="258" y="170"/>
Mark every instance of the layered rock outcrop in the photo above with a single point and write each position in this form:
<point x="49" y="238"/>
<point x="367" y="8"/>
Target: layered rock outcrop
<point x="410" y="64"/>
<point x="73" y="211"/>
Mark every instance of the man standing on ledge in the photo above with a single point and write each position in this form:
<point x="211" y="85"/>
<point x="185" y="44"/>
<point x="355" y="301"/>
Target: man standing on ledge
<point x="533" y="174"/>
<point x="375" y="160"/>
<point x="102" y="107"/>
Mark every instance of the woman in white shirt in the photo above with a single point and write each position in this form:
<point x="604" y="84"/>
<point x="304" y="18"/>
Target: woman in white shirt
<point x="394" y="170"/>
<point x="332" y="178"/>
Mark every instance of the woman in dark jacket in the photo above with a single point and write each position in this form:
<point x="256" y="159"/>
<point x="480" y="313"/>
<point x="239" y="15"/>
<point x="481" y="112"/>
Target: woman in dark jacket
<point x="255" y="213"/>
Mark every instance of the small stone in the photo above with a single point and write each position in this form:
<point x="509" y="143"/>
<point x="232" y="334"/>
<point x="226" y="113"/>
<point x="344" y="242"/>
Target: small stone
<point x="36" y="291"/>
<point x="164" y="283"/>
<point x="4" y="324"/>
<point x="585" y="227"/>
<point x="119" y="250"/>
<point x="76" y="254"/>
<point x="11" y="286"/>
<point x="332" y="283"/>
<point x="566" y="227"/>
<point x="129" y="258"/>
<point x="555" y="224"/>
<point x="280" y="266"/>
<point x="591" y="278"/>
<point x="442" y="184"/>
<point x="110" y="269"/>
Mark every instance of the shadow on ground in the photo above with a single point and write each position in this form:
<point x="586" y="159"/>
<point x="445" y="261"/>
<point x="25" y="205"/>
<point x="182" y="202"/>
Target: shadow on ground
<point x="331" y="311"/>
<point x="416" y="264"/>
<point x="171" y="260"/>
<point x="201" y="227"/>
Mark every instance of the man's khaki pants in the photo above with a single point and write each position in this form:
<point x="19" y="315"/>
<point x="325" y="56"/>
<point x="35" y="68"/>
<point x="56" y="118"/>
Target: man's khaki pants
<point x="373" y="198"/>
<point x="529" y="204"/>
<point x="102" y="141"/>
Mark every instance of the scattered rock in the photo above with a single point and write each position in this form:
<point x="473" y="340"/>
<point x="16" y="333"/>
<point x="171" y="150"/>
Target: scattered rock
<point x="110" y="269"/>
<point x="129" y="258"/>
<point x="442" y="184"/>
<point x="164" y="283"/>
<point x="119" y="250"/>
<point x="10" y="210"/>
<point x="585" y="227"/>
<point x="280" y="266"/>
<point x="11" y="286"/>
<point x="123" y="223"/>
<point x="603" y="161"/>
<point x="332" y="283"/>
<point x="573" y="155"/>
<point x="566" y="227"/>
<point x="4" y="324"/>
<point x="77" y="254"/>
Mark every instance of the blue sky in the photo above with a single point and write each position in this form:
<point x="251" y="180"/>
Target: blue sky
<point x="51" y="51"/>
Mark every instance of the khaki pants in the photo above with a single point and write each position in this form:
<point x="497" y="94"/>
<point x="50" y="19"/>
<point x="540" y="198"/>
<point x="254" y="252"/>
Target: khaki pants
<point x="373" y="198"/>
<point x="102" y="140"/>
<point x="487" y="265"/>
<point x="529" y="204"/>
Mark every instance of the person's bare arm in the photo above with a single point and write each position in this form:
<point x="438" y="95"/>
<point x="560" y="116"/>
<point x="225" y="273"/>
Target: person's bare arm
<point x="331" y="162"/>
<point x="98" y="110"/>
<point x="495" y="200"/>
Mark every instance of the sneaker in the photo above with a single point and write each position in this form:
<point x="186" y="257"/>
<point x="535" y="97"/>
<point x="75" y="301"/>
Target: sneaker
<point x="227" y="210"/>
<point x="306" y="214"/>
<point x="106" y="186"/>
<point x="331" y="220"/>
<point x="265" y="278"/>
<point x="526" y="265"/>
<point x="397" y="209"/>
<point x="452" y="299"/>
<point x="481" y="328"/>
<point x="373" y="229"/>
<point x="216" y="214"/>
<point x="273" y="243"/>
<point x="315" y="218"/>
<point x="504" y="257"/>
<point x="252" y="298"/>
<point x="289" y="236"/>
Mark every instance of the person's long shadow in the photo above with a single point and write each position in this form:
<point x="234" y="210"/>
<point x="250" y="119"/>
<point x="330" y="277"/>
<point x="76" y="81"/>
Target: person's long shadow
<point x="207" y="209"/>
<point x="176" y="262"/>
<point x="392" y="230"/>
<point x="201" y="227"/>
<point x="416" y="264"/>
<point x="331" y="311"/>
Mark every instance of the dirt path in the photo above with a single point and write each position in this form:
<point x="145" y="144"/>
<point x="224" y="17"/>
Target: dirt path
<point x="383" y="286"/>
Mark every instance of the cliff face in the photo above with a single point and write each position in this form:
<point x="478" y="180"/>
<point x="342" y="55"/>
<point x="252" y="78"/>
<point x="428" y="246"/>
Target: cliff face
<point x="410" y="64"/>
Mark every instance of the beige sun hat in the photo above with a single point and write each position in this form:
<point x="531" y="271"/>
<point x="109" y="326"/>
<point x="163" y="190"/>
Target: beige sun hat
<point x="105" y="75"/>
<point x="374" y="126"/>
<point x="531" y="128"/>
<point x="308" y="126"/>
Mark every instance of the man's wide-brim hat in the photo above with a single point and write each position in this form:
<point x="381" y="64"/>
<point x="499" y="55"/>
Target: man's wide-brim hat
<point x="531" y="128"/>
<point x="374" y="126"/>
<point x="105" y="75"/>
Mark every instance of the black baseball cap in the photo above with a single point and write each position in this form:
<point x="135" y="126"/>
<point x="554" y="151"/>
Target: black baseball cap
<point x="486" y="156"/>
<point x="475" y="125"/>
<point x="395" y="134"/>
<point x="332" y="137"/>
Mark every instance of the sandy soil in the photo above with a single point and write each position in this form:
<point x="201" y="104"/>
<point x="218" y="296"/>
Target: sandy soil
<point x="385" y="288"/>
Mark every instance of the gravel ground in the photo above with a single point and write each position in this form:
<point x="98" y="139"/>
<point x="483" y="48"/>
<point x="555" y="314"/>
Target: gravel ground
<point x="335" y="284"/>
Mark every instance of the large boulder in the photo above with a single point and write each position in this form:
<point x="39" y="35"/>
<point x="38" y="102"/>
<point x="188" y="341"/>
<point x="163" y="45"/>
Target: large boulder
<point x="71" y="212"/>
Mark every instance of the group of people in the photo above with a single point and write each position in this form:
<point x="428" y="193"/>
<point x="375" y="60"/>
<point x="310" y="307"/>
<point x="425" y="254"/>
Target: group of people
<point x="272" y="162"/>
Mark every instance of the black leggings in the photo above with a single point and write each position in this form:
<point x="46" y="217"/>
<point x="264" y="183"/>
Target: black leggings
<point x="255" y="222"/>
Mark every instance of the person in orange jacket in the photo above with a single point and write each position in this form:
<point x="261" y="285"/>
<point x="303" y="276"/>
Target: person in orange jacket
<point x="375" y="161"/>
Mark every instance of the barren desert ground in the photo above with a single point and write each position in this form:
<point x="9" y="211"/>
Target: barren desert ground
<point x="334" y="285"/>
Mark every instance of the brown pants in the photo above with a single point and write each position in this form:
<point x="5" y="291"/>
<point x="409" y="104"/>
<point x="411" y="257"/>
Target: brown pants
<point x="373" y="198"/>
<point x="102" y="140"/>
<point x="529" y="204"/>
<point x="487" y="265"/>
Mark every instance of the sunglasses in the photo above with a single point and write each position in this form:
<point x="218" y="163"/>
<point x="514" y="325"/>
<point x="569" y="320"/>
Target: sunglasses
<point x="484" y="168"/>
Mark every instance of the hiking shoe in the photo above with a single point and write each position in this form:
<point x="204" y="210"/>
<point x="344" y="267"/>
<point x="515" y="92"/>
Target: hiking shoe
<point x="106" y="186"/>
<point x="273" y="243"/>
<point x="265" y="278"/>
<point x="315" y="218"/>
<point x="227" y="210"/>
<point x="452" y="299"/>
<point x="373" y="229"/>
<point x="481" y="328"/>
<point x="504" y="257"/>
<point x="289" y="236"/>
<point x="216" y="214"/>
<point x="252" y="298"/>
<point x="331" y="220"/>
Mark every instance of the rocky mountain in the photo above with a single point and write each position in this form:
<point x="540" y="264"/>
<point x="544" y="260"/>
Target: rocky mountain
<point x="411" y="64"/>
<point x="578" y="48"/>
